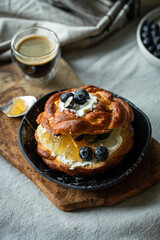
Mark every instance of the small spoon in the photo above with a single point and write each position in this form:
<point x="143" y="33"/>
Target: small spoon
<point x="29" y="101"/>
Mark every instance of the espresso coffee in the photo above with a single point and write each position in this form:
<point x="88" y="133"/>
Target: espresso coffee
<point x="36" y="55"/>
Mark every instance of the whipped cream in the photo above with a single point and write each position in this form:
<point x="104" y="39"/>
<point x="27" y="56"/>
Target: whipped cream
<point x="81" y="110"/>
<point x="112" y="143"/>
<point x="43" y="130"/>
<point x="74" y="164"/>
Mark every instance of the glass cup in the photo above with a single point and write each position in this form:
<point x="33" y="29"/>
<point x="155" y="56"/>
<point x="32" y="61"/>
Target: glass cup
<point x="37" y="69"/>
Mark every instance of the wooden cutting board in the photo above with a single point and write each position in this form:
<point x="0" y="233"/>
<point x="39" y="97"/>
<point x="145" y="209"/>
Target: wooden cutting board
<point x="13" y="84"/>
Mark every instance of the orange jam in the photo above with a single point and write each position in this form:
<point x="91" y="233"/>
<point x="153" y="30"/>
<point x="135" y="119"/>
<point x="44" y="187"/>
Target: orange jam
<point x="18" y="107"/>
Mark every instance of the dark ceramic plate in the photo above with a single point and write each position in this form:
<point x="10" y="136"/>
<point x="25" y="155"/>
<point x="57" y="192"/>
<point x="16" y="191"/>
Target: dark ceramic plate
<point x="28" y="146"/>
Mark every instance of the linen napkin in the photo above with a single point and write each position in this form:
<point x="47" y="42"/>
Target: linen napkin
<point x="78" y="24"/>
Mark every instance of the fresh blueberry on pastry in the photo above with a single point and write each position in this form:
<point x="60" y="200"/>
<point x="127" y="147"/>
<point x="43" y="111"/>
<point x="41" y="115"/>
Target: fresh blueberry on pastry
<point x="84" y="131"/>
<point x="86" y="153"/>
<point x="81" y="96"/>
<point x="65" y="96"/>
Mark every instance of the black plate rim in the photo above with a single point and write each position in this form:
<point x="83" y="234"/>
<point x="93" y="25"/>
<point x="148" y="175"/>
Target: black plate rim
<point x="108" y="184"/>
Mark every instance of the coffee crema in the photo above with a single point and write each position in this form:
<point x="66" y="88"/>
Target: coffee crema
<point x="37" y="55"/>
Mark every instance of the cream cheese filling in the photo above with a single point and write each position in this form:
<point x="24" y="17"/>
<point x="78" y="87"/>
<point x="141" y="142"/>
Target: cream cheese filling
<point x="112" y="143"/>
<point x="81" y="110"/>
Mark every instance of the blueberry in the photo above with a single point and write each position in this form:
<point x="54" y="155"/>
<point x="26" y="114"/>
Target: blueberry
<point x="147" y="41"/>
<point x="156" y="40"/>
<point x="154" y="26"/>
<point x="148" y="22"/>
<point x="101" y="153"/>
<point x="58" y="134"/>
<point x="146" y="28"/>
<point x="104" y="135"/>
<point x="157" y="54"/>
<point x="69" y="102"/>
<point x="86" y="153"/>
<point x="154" y="33"/>
<point x="158" y="47"/>
<point x="151" y="48"/>
<point x="81" y="96"/>
<point x="145" y="34"/>
<point x="64" y="96"/>
<point x="78" y="137"/>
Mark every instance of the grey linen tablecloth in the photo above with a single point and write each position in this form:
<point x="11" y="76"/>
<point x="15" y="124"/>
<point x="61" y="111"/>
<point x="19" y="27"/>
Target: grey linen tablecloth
<point x="25" y="213"/>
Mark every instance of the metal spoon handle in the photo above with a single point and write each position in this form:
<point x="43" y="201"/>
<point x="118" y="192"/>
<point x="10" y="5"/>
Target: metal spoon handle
<point x="6" y="108"/>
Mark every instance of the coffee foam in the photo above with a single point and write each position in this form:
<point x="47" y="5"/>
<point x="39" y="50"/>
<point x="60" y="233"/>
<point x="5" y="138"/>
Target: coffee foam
<point x="39" y="60"/>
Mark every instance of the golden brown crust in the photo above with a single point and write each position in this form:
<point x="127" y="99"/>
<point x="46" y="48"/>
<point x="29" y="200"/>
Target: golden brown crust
<point x="110" y="112"/>
<point x="56" y="164"/>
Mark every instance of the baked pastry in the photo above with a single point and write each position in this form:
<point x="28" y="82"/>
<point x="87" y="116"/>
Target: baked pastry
<point x="84" y="131"/>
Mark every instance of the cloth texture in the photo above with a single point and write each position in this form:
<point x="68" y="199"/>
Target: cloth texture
<point x="77" y="23"/>
<point x="117" y="65"/>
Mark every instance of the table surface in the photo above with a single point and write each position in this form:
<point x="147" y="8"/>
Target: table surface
<point x="26" y="213"/>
